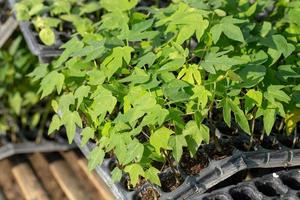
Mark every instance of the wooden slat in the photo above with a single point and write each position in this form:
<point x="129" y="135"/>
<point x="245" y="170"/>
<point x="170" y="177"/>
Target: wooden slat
<point x="67" y="180"/>
<point x="41" y="167"/>
<point x="91" y="192"/>
<point x="96" y="181"/>
<point x="7" y="29"/>
<point x="28" y="182"/>
<point x="7" y="182"/>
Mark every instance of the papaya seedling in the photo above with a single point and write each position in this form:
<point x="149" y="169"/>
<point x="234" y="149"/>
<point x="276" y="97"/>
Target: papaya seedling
<point x="155" y="82"/>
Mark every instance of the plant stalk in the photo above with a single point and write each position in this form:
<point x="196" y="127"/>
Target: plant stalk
<point x="252" y="128"/>
<point x="42" y="125"/>
<point x="295" y="138"/>
<point x="174" y="170"/>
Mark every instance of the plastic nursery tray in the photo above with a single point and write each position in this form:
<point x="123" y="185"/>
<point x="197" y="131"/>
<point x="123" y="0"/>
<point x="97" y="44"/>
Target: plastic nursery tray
<point x="44" y="52"/>
<point x="279" y="185"/>
<point x="8" y="149"/>
<point x="214" y="173"/>
<point x="7" y="27"/>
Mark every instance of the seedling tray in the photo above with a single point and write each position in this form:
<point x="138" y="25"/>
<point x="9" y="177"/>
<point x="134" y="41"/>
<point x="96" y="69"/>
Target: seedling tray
<point x="7" y="24"/>
<point x="214" y="173"/>
<point x="279" y="185"/>
<point x="8" y="148"/>
<point x="45" y="53"/>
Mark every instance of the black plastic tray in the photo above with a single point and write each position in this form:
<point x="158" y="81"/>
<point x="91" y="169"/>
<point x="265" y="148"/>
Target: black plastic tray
<point x="279" y="185"/>
<point x="8" y="149"/>
<point x="213" y="174"/>
<point x="45" y="53"/>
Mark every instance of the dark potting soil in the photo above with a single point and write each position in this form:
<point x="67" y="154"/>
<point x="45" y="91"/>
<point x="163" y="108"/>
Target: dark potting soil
<point x="225" y="149"/>
<point x="193" y="165"/>
<point x="159" y="165"/>
<point x="270" y="143"/>
<point x="125" y="181"/>
<point x="243" y="143"/>
<point x="170" y="181"/>
<point x="159" y="3"/>
<point x="4" y="12"/>
<point x="67" y="27"/>
<point x="228" y="131"/>
<point x="290" y="141"/>
<point x="149" y="194"/>
<point x="109" y="154"/>
<point x="144" y="135"/>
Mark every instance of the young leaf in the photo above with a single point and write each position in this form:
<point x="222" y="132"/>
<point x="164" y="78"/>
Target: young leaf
<point x="80" y="93"/>
<point x="47" y="36"/>
<point x="134" y="152"/>
<point x="148" y="59"/>
<point x="204" y="130"/>
<point x="39" y="72"/>
<point x="240" y="117"/>
<point x="177" y="142"/>
<point x="152" y="175"/>
<point x="50" y="82"/>
<point x="275" y="91"/>
<point x="291" y="120"/>
<point x="227" y="112"/>
<point x="106" y="128"/>
<point x="269" y="119"/>
<point x="191" y="75"/>
<point x="134" y="171"/>
<point x="15" y="102"/>
<point x="116" y="174"/>
<point x="71" y="46"/>
<point x="103" y="103"/>
<point x="70" y="120"/>
<point x="228" y="27"/>
<point x="65" y="101"/>
<point x="115" y="61"/>
<point x="233" y="32"/>
<point x="54" y="105"/>
<point x="195" y="135"/>
<point x="216" y="32"/>
<point x="96" y="157"/>
<point x="87" y="133"/>
<point x="55" y="124"/>
<point x="252" y="98"/>
<point x="251" y="75"/>
<point x="202" y="94"/>
<point x="160" y="139"/>
<point x="118" y="5"/>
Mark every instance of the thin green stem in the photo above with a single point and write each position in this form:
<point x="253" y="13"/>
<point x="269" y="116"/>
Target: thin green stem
<point x="43" y="124"/>
<point x="252" y="128"/>
<point x="295" y="137"/>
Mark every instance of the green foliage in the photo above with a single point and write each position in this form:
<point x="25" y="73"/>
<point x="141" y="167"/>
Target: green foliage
<point x="96" y="157"/>
<point x="151" y="83"/>
<point x="18" y="94"/>
<point x="51" y="16"/>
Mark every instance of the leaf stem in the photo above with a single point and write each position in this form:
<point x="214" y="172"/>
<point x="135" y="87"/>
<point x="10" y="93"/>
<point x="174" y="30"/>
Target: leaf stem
<point x="42" y="124"/>
<point x="212" y="125"/>
<point x="262" y="136"/>
<point x="174" y="170"/>
<point x="252" y="128"/>
<point x="281" y="125"/>
<point x="295" y="137"/>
